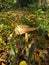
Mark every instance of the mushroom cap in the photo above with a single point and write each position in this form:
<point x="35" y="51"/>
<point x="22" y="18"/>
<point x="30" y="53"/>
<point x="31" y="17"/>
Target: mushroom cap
<point x="21" y="29"/>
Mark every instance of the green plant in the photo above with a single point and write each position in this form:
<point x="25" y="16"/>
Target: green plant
<point x="31" y="51"/>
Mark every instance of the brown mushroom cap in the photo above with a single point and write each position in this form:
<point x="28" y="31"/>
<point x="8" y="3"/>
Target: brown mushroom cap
<point x="21" y="29"/>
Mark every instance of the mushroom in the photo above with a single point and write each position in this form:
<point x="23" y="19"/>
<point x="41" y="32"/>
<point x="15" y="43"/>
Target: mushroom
<point x="24" y="29"/>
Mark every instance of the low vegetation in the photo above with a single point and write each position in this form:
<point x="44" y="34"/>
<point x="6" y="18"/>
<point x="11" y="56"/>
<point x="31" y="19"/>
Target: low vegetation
<point x="13" y="48"/>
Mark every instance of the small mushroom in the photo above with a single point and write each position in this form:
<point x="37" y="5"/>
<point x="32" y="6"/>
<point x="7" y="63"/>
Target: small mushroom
<point x="24" y="29"/>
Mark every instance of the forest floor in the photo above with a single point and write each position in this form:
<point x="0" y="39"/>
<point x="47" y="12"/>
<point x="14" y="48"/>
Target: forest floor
<point x="11" y="44"/>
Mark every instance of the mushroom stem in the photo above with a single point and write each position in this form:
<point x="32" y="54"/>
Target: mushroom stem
<point x="26" y="37"/>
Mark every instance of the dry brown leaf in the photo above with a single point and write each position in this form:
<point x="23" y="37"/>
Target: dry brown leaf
<point x="38" y="59"/>
<point x="2" y="59"/>
<point x="48" y="35"/>
<point x="3" y="63"/>
<point x="0" y="38"/>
